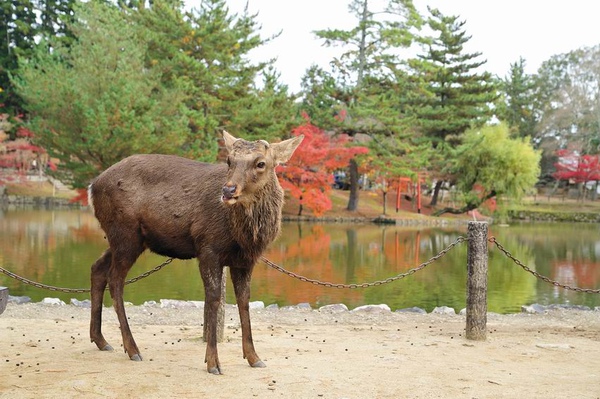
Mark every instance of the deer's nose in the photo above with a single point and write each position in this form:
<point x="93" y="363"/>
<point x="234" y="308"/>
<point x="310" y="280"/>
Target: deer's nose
<point x="229" y="191"/>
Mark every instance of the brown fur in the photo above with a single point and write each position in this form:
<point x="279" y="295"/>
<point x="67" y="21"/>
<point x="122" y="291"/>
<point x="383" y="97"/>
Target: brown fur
<point x="224" y="215"/>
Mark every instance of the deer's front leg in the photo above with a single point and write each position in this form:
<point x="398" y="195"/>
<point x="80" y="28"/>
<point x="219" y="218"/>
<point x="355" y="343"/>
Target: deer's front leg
<point x="241" y="284"/>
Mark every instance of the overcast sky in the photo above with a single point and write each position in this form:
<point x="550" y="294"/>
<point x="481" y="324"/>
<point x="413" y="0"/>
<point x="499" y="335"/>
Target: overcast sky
<point x="502" y="31"/>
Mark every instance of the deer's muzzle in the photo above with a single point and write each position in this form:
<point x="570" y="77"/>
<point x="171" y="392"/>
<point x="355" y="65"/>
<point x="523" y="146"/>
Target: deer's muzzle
<point x="229" y="195"/>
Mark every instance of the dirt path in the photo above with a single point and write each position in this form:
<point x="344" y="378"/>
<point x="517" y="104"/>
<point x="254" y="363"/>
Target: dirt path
<point x="45" y="353"/>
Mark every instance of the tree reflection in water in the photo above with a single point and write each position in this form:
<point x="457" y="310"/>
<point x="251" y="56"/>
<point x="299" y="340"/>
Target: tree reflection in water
<point x="58" y="248"/>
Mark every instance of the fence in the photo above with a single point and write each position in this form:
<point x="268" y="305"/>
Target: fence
<point x="477" y="271"/>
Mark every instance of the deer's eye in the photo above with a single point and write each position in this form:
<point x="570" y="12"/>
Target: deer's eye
<point x="228" y="162"/>
<point x="261" y="165"/>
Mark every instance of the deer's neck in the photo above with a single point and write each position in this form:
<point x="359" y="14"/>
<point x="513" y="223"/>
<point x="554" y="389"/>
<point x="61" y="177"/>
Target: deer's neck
<point x="257" y="224"/>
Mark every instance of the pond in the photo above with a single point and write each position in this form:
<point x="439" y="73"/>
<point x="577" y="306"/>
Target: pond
<point x="58" y="247"/>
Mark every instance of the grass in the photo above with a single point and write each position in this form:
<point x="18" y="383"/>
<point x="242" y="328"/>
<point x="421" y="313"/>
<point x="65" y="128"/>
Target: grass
<point x="370" y="203"/>
<point x="37" y="189"/>
<point x="556" y="205"/>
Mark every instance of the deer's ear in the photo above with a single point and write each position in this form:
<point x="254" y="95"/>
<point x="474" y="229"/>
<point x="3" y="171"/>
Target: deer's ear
<point x="229" y="140"/>
<point x="283" y="151"/>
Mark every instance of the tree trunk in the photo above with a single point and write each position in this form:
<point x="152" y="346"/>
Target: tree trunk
<point x="468" y="207"/>
<point x="300" y="207"/>
<point x="353" y="199"/>
<point x="362" y="49"/>
<point x="436" y="192"/>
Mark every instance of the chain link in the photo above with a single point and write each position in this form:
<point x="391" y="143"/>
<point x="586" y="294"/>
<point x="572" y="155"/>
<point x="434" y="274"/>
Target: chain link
<point x="423" y="265"/>
<point x="79" y="290"/>
<point x="538" y="275"/>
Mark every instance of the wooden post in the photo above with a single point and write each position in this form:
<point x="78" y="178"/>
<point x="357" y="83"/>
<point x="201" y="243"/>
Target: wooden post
<point x="3" y="298"/>
<point x="477" y="268"/>
<point x="221" y="312"/>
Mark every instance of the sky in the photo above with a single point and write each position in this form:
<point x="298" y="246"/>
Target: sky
<point x="502" y="31"/>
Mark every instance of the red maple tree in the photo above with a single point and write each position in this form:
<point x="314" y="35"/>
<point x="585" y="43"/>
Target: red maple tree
<point x="19" y="153"/>
<point x="576" y="167"/>
<point x="308" y="175"/>
<point x="579" y="169"/>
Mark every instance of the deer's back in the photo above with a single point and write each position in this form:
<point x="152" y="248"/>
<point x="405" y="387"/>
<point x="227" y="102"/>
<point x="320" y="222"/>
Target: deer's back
<point x="172" y="202"/>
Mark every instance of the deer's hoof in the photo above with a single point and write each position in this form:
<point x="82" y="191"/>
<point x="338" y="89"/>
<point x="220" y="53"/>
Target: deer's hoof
<point x="215" y="370"/>
<point x="259" y="364"/>
<point x="107" y="348"/>
<point x="136" y="358"/>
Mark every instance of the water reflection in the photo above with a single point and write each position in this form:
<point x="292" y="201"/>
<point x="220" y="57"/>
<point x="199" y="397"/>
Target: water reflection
<point x="58" y="248"/>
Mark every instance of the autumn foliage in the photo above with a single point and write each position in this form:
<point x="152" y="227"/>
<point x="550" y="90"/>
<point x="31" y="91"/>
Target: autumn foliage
<point x="575" y="167"/>
<point x="19" y="153"/>
<point x="308" y="175"/>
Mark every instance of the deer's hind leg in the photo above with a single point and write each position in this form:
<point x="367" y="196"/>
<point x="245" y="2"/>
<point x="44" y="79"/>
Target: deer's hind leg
<point x="122" y="261"/>
<point x="212" y="274"/>
<point x="99" y="280"/>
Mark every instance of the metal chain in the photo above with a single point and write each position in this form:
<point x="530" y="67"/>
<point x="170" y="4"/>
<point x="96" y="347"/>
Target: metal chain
<point x="423" y="265"/>
<point x="537" y="275"/>
<point x="79" y="290"/>
<point x="459" y="240"/>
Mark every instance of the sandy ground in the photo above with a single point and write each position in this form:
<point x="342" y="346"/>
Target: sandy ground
<point x="45" y="353"/>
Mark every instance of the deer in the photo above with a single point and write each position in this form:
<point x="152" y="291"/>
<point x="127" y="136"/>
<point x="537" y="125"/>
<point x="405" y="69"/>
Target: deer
<point x="222" y="214"/>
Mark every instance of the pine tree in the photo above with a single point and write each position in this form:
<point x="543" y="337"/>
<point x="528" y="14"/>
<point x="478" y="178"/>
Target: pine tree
<point x="95" y="102"/>
<point x="449" y="95"/>
<point x="266" y="112"/>
<point x="371" y="43"/>
<point x="55" y="15"/>
<point x="205" y="50"/>
<point x="17" y="38"/>
<point x="150" y="78"/>
<point x="367" y="69"/>
<point x="320" y="97"/>
<point x="22" y="23"/>
<point x="397" y="149"/>
<point x="517" y="106"/>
